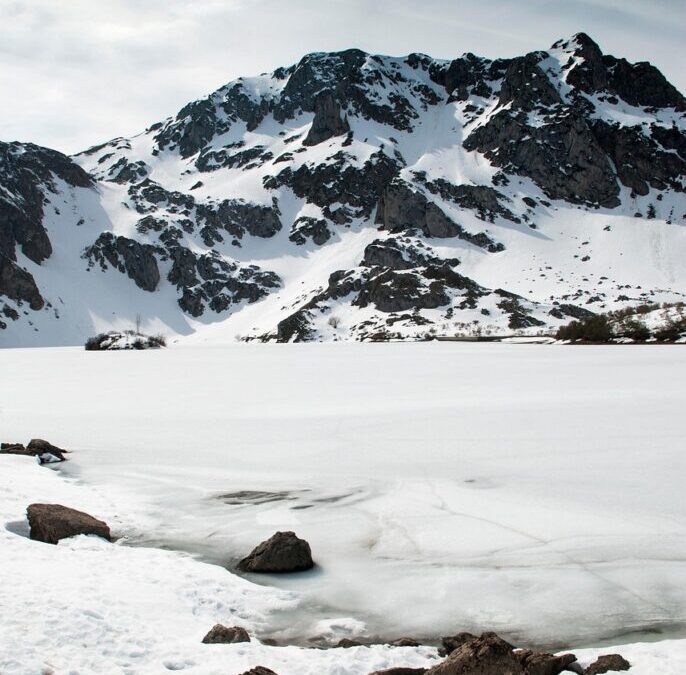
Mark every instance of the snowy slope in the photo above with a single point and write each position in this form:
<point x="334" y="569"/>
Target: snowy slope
<point x="354" y="195"/>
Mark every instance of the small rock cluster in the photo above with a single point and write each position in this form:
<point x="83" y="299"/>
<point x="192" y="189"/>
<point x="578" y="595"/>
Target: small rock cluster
<point x="45" y="452"/>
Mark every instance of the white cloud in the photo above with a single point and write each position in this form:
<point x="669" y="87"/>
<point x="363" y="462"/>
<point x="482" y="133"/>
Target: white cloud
<point x="77" y="72"/>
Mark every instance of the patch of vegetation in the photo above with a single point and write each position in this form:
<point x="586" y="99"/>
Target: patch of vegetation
<point x="124" y="340"/>
<point x="628" y="324"/>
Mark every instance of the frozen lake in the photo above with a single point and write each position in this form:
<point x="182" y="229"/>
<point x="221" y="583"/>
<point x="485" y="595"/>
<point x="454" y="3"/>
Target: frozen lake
<point x="533" y="490"/>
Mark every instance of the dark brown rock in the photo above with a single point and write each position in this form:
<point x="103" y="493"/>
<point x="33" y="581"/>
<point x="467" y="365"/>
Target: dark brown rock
<point x="51" y="522"/>
<point x="540" y="663"/>
<point x="40" y="447"/>
<point x="450" y="643"/>
<point x="283" y="552"/>
<point x="607" y="663"/>
<point x="18" y="284"/>
<point x="491" y="655"/>
<point x="46" y="452"/>
<point x="485" y="655"/>
<point x="329" y="121"/>
<point x="220" y="634"/>
<point x="346" y="643"/>
<point x="259" y="670"/>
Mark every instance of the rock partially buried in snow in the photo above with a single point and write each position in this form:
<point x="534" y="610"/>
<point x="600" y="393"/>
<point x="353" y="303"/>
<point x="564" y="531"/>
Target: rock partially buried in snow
<point x="607" y="663"/>
<point x="45" y="452"/>
<point x="220" y="634"/>
<point x="51" y="522"/>
<point x="282" y="552"/>
<point x="491" y="655"/>
<point x="259" y="670"/>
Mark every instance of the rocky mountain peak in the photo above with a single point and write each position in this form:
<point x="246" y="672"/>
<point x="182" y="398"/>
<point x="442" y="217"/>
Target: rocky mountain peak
<point x="353" y="185"/>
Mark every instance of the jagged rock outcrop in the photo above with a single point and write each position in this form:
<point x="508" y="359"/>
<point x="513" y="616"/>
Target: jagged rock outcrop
<point x="18" y="284"/>
<point x="329" y="121"/>
<point x="401" y="208"/>
<point x="305" y="228"/>
<point x="562" y="156"/>
<point x="137" y="260"/>
<point x="342" y="190"/>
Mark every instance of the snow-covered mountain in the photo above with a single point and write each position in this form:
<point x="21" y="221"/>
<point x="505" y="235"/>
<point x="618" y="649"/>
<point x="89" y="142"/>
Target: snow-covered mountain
<point x="353" y="196"/>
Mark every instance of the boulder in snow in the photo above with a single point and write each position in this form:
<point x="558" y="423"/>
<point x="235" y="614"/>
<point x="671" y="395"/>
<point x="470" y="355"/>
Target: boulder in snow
<point x="283" y="552"/>
<point x="491" y="655"/>
<point x="45" y="452"/>
<point x="259" y="670"/>
<point x="607" y="663"/>
<point x="51" y="522"/>
<point x="220" y="634"/>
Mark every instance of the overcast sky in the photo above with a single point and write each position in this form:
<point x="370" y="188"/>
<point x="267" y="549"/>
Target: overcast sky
<point x="77" y="72"/>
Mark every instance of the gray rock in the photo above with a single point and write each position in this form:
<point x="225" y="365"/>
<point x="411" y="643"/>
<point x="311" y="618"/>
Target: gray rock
<point x="220" y="634"/>
<point x="137" y="260"/>
<point x="18" y="284"/>
<point x="328" y="122"/>
<point x="50" y="523"/>
<point x="403" y="208"/>
<point x="283" y="552"/>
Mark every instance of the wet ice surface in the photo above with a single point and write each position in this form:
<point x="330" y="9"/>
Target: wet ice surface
<point x="532" y="490"/>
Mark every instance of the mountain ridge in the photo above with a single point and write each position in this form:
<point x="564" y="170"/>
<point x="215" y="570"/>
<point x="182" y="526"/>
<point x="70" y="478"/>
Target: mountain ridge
<point x="351" y="196"/>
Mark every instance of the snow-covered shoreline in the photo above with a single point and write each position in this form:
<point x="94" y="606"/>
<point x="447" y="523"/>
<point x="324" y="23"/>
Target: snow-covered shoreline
<point x="88" y="606"/>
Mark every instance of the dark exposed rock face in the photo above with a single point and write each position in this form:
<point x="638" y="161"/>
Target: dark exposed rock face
<point x="400" y="671"/>
<point x="18" y="284"/>
<point x="397" y="291"/>
<point x="220" y="634"/>
<point x="51" y="522"/>
<point x="27" y="174"/>
<point x="338" y="181"/>
<point x="401" y="208"/>
<point x="562" y="156"/>
<point x="231" y="157"/>
<point x="305" y="228"/>
<point x="608" y="663"/>
<point x="640" y="161"/>
<point x="398" y="254"/>
<point x="207" y="279"/>
<point x="328" y="120"/>
<point x="482" y="199"/>
<point x="283" y="552"/>
<point x="126" y="255"/>
<point x="259" y="670"/>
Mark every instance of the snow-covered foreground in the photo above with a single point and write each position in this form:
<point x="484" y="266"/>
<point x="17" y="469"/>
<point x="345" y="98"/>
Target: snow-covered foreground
<point x="535" y="490"/>
<point x="88" y="606"/>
